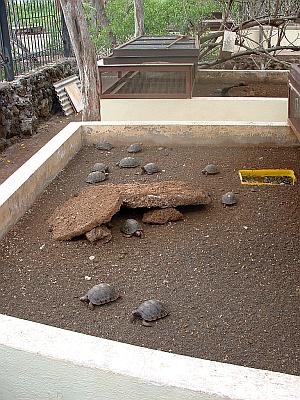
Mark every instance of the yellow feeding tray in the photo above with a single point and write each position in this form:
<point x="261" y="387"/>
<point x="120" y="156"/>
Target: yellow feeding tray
<point x="267" y="177"/>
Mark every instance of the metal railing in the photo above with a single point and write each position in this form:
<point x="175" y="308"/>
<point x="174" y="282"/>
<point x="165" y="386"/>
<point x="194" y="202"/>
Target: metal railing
<point x="32" y="34"/>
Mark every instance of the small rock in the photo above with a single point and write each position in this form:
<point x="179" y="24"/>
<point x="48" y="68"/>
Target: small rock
<point x="162" y="216"/>
<point x="91" y="258"/>
<point x="99" y="233"/>
<point x="87" y="278"/>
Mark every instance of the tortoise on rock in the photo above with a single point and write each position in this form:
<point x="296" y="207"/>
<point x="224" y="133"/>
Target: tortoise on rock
<point x="104" y="145"/>
<point x="135" y="148"/>
<point x="99" y="167"/>
<point x="150" y="310"/>
<point x="96" y="177"/>
<point x="229" y="198"/>
<point x="132" y="228"/>
<point x="210" y="169"/>
<point x="150" y="169"/>
<point x="128" y="162"/>
<point x="100" y="294"/>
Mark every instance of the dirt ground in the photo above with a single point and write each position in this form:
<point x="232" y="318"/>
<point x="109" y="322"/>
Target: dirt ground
<point x="230" y="277"/>
<point x="214" y="88"/>
<point x="14" y="156"/>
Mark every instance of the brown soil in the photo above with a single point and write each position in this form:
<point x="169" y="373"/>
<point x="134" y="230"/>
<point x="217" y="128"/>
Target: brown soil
<point x="14" y="156"/>
<point x="230" y="277"/>
<point x="219" y="89"/>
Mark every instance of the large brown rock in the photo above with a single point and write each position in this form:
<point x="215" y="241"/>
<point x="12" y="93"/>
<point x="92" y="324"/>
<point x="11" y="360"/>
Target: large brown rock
<point x="162" y="194"/>
<point x="96" y="205"/>
<point x="162" y="216"/>
<point x="92" y="207"/>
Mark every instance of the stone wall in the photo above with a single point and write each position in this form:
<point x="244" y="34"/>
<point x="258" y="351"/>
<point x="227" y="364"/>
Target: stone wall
<point x="29" y="99"/>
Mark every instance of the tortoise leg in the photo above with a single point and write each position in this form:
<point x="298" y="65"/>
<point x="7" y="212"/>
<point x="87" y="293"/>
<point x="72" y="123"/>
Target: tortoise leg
<point x="91" y="306"/>
<point x="145" y="323"/>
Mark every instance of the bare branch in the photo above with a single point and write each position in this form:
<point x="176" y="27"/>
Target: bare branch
<point x="265" y="52"/>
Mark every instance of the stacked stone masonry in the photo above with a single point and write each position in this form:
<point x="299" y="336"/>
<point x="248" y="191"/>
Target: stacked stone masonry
<point x="29" y="99"/>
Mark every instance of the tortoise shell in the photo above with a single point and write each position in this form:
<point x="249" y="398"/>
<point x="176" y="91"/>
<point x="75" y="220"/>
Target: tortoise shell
<point x="229" y="199"/>
<point x="100" y="294"/>
<point x="131" y="227"/>
<point x="151" y="168"/>
<point x="99" y="167"/>
<point x="150" y="310"/>
<point x="104" y="145"/>
<point x="128" y="162"/>
<point x="96" y="177"/>
<point x="135" y="148"/>
<point x="210" y="169"/>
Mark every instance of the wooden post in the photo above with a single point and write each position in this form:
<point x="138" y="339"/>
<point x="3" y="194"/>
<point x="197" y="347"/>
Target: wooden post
<point x="85" y="57"/>
<point x="139" y="18"/>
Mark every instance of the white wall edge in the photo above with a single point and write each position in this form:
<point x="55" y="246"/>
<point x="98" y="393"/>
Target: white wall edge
<point x="22" y="174"/>
<point x="152" y="366"/>
<point x="186" y="123"/>
<point x="20" y="190"/>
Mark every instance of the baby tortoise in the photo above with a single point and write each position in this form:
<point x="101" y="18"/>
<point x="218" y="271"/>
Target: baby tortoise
<point x="135" y="148"/>
<point x="132" y="228"/>
<point x="104" y="145"/>
<point x="128" y="162"/>
<point x="229" y="198"/>
<point x="210" y="169"/>
<point x="151" y="168"/>
<point x="100" y="294"/>
<point x="150" y="310"/>
<point x="96" y="177"/>
<point x="99" y="167"/>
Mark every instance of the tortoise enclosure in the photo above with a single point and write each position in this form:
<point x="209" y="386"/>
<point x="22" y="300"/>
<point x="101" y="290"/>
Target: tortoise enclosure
<point x="229" y="276"/>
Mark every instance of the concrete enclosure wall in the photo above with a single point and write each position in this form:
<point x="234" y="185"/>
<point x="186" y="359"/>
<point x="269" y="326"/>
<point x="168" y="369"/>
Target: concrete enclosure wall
<point x="40" y="362"/>
<point x="247" y="109"/>
<point x="29" y="99"/>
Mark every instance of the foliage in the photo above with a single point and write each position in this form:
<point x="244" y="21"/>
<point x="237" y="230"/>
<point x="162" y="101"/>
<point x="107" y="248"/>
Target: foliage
<point x="161" y="17"/>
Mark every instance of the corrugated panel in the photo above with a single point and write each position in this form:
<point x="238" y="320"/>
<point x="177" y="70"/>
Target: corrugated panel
<point x="62" y="95"/>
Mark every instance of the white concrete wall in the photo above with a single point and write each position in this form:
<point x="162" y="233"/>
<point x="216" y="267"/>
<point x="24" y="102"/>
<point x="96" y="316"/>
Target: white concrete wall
<point x="247" y="109"/>
<point x="19" y="191"/>
<point x="40" y="362"/>
<point x="292" y="35"/>
<point x="251" y="37"/>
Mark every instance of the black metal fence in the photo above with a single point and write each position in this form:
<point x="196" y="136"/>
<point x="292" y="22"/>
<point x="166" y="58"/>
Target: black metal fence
<point x="32" y="34"/>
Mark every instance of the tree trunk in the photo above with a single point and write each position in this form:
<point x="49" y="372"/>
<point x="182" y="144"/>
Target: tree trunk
<point x="139" y="18"/>
<point x="99" y="6"/>
<point x="85" y="57"/>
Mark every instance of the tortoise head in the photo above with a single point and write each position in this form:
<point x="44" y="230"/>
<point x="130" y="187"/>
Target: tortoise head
<point x="134" y="315"/>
